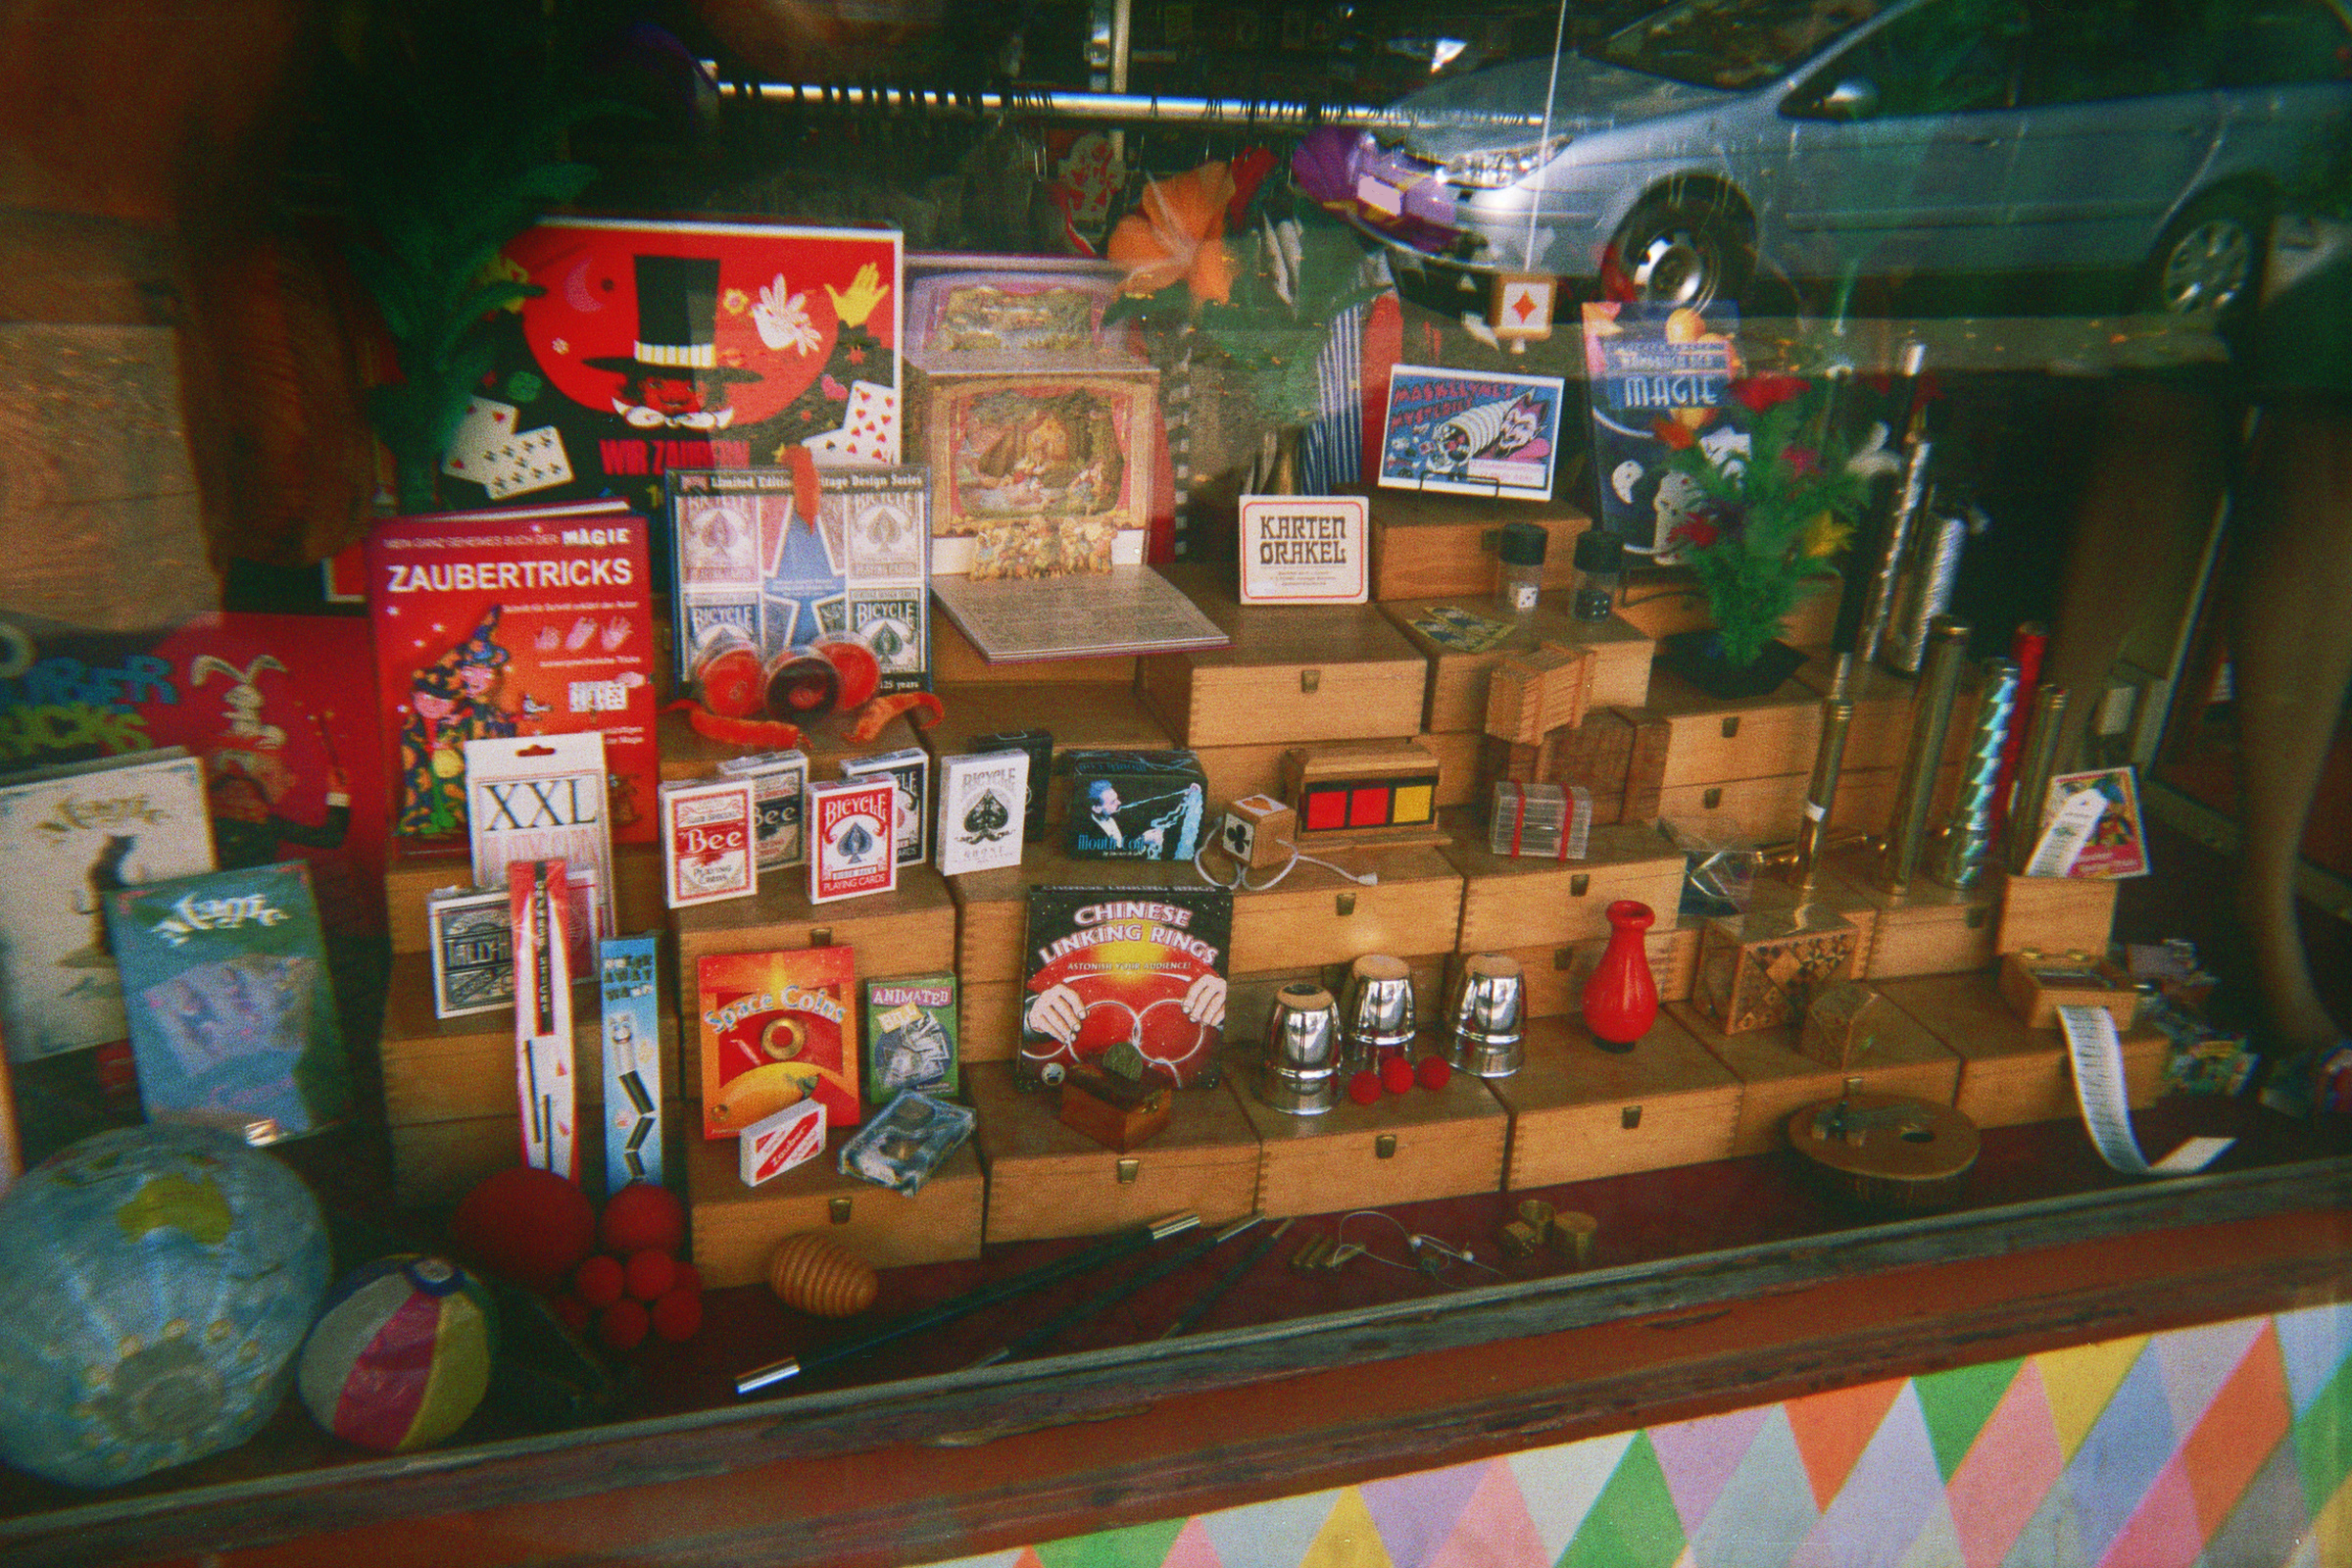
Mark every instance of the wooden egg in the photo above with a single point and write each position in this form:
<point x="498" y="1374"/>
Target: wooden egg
<point x="818" y="1275"/>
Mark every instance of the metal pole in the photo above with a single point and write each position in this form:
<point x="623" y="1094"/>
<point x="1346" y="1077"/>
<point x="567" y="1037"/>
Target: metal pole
<point x="1124" y="107"/>
<point x="1821" y="794"/>
<point x="1930" y="716"/>
<point x="2033" y="775"/>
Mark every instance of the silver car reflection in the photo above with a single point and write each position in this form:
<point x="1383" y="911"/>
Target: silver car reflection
<point x="1822" y="138"/>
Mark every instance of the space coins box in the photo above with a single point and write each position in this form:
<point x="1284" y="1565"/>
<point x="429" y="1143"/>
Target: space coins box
<point x="777" y="1028"/>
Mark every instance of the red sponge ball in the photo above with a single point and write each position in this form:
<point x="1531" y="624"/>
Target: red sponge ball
<point x="598" y="1279"/>
<point x="622" y="1325"/>
<point x="1364" y="1087"/>
<point x="1434" y="1072"/>
<point x="1396" y="1074"/>
<point x="651" y="1274"/>
<point x="529" y="1225"/>
<point x="677" y="1315"/>
<point x="639" y="1216"/>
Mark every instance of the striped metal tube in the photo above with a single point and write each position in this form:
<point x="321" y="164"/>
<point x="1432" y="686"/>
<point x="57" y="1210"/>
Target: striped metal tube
<point x="1961" y="848"/>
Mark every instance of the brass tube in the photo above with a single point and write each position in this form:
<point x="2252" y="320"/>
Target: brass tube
<point x="1961" y="848"/>
<point x="2034" y="769"/>
<point x="1821" y="794"/>
<point x="1930" y="718"/>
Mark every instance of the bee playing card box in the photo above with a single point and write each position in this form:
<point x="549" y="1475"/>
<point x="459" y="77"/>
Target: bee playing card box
<point x="1144" y="965"/>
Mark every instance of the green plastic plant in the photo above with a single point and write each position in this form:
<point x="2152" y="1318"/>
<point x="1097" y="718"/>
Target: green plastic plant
<point x="452" y="132"/>
<point x="1768" y="520"/>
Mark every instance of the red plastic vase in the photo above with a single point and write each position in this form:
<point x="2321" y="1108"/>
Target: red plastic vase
<point x="1621" y="1000"/>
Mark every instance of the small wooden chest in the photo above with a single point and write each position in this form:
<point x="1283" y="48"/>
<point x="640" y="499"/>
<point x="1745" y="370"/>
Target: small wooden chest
<point x="1579" y="1112"/>
<point x="1928" y="930"/>
<point x="1293" y="674"/>
<point x="736" y="1227"/>
<point x="2055" y="914"/>
<point x="1047" y="1180"/>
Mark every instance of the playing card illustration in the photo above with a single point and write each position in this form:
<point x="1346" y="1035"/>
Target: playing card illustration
<point x="488" y="425"/>
<point x="987" y="820"/>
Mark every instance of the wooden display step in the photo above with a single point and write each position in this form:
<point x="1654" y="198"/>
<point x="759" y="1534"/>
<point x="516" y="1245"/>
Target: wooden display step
<point x="1293" y="674"/>
<point x="736" y="1227"/>
<point x="2010" y="1073"/>
<point x="1046" y="1180"/>
<point x="1556" y="974"/>
<point x="1715" y="740"/>
<point x="1509" y="903"/>
<point x="1402" y="1149"/>
<point x="436" y="1162"/>
<point x="1458" y="680"/>
<point x="1775" y="1080"/>
<point x="449" y="1069"/>
<point x="1430" y="545"/>
<point x="1312" y="917"/>
<point x="1579" y="1112"/>
<point x="414" y="872"/>
<point x="906" y="931"/>
<point x="1927" y="929"/>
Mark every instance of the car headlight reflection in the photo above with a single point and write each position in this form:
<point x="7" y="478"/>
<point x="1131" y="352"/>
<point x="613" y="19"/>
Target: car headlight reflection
<point x="1493" y="169"/>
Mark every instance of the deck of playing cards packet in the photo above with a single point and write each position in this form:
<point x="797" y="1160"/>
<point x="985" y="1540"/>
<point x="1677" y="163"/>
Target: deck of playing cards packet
<point x="982" y="804"/>
<point x="627" y="987"/>
<point x="777" y="779"/>
<point x="850" y="838"/>
<point x="707" y="854"/>
<point x="908" y="769"/>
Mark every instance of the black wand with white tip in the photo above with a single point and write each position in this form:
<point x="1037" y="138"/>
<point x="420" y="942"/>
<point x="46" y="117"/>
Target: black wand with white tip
<point x="1147" y="1274"/>
<point x="1106" y="1251"/>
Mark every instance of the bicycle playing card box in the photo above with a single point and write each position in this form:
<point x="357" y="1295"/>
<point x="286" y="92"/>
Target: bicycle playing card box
<point x="232" y="1016"/>
<point x="777" y="1028"/>
<point x="1144" y="965"/>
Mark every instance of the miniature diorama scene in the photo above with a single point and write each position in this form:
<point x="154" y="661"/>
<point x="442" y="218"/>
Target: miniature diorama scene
<point x="744" y="733"/>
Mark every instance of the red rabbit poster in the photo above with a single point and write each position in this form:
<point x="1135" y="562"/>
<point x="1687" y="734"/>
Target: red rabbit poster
<point x="1140" y="964"/>
<point x="653" y="346"/>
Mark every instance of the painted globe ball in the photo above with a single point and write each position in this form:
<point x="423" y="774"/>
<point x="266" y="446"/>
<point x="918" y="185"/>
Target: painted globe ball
<point x="157" y="1282"/>
<point x="401" y="1354"/>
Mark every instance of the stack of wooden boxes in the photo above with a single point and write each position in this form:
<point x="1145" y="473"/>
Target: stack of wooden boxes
<point x="1647" y="748"/>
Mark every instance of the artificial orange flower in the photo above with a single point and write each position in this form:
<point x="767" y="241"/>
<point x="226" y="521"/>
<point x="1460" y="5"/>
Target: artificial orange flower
<point x="1176" y="232"/>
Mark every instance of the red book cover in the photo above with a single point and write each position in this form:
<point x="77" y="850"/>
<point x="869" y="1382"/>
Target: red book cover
<point x="777" y="1028"/>
<point x="492" y="624"/>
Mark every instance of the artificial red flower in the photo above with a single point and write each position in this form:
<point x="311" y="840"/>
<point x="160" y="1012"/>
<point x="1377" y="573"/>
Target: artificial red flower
<point x="1249" y="169"/>
<point x="1697" y="533"/>
<point x="1175" y="235"/>
<point x="1802" y="462"/>
<point x="1761" y="392"/>
<point x="1673" y="434"/>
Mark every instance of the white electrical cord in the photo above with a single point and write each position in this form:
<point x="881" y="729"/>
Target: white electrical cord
<point x="1241" y="873"/>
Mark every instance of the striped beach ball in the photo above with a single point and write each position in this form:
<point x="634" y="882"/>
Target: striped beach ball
<point x="400" y="1356"/>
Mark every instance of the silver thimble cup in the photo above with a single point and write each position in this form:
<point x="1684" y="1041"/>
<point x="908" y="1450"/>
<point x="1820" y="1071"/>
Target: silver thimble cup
<point x="1377" y="1009"/>
<point x="1302" y="1064"/>
<point x="1486" y="1008"/>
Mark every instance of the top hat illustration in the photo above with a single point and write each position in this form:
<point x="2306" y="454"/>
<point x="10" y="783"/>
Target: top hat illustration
<point x="677" y="304"/>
